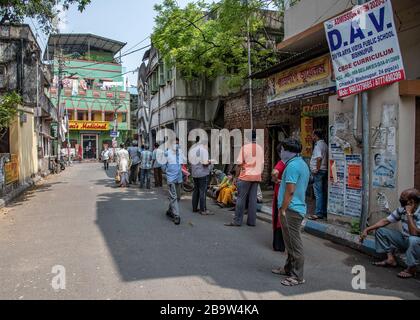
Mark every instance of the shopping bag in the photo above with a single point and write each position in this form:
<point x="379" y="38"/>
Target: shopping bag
<point x="118" y="177"/>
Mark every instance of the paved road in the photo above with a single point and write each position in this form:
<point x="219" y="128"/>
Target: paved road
<point x="118" y="244"/>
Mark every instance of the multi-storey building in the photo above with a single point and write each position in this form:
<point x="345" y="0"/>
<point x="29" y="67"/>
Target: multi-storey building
<point x="26" y="145"/>
<point x="92" y="91"/>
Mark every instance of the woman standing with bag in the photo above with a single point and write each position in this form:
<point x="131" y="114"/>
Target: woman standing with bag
<point x="278" y="243"/>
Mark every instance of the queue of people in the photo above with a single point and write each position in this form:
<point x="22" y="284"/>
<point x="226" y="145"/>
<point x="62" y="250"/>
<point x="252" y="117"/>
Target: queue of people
<point x="240" y="189"/>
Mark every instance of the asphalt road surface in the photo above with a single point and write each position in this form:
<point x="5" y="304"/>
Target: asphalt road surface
<point x="111" y="243"/>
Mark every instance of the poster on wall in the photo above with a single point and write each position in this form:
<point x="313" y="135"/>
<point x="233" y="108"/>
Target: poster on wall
<point x="307" y="128"/>
<point x="337" y="180"/>
<point x="384" y="170"/>
<point x="364" y="48"/>
<point x="354" y="194"/>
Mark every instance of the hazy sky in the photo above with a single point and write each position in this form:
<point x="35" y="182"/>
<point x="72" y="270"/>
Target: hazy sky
<point x="128" y="21"/>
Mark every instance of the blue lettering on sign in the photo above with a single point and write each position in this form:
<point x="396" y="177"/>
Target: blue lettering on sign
<point x="356" y="33"/>
<point x="379" y="25"/>
<point x="335" y="38"/>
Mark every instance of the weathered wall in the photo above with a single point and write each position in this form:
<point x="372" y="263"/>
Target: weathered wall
<point x="23" y="142"/>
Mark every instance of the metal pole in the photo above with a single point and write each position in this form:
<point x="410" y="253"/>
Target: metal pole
<point x="60" y="72"/>
<point x="249" y="74"/>
<point x="366" y="155"/>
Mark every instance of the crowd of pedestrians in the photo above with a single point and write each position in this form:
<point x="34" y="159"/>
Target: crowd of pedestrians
<point x="240" y="189"/>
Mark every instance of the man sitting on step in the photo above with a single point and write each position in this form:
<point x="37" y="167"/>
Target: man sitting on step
<point x="389" y="241"/>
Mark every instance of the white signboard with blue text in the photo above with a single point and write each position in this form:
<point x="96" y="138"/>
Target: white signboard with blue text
<point x="364" y="48"/>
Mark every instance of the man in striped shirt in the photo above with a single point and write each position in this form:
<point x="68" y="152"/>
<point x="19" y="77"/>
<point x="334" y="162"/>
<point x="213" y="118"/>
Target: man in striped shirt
<point x="389" y="241"/>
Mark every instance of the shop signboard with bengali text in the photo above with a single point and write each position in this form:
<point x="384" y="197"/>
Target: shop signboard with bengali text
<point x="364" y="48"/>
<point x="11" y="169"/>
<point x="312" y="78"/>
<point x="89" y="126"/>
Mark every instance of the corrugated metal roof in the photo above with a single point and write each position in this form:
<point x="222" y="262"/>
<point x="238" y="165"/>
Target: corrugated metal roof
<point x="80" y="42"/>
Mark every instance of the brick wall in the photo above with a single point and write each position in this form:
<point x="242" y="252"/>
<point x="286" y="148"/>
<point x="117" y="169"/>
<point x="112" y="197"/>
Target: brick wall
<point x="237" y="116"/>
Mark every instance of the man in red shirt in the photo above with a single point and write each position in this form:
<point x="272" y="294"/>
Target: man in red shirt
<point x="251" y="164"/>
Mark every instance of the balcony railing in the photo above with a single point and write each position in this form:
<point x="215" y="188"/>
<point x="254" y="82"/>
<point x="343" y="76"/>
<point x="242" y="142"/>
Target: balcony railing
<point x="95" y="94"/>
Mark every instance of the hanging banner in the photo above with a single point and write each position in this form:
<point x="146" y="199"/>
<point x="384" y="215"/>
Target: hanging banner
<point x="364" y="48"/>
<point x="306" y="80"/>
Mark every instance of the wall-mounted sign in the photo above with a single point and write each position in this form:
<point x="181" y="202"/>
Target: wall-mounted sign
<point x="11" y="169"/>
<point x="306" y="80"/>
<point x="364" y="48"/>
<point x="306" y="129"/>
<point x="89" y="125"/>
<point x="315" y="110"/>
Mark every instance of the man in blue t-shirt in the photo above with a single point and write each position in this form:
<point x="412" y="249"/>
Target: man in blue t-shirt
<point x="292" y="210"/>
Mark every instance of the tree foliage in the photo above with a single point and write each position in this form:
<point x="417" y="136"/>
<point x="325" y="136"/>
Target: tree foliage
<point x="44" y="11"/>
<point x="8" y="109"/>
<point x="209" y="40"/>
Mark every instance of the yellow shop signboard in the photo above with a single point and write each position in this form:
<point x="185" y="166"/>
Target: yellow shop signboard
<point x="89" y="125"/>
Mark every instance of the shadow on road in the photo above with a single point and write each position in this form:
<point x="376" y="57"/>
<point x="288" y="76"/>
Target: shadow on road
<point x="146" y="245"/>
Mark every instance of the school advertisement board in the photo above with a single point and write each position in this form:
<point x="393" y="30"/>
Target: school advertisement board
<point x="364" y="48"/>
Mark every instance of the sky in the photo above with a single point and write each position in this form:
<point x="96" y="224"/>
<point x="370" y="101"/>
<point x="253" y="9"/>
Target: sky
<point x="129" y="21"/>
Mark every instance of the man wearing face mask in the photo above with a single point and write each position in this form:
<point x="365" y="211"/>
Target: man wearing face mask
<point x="389" y="241"/>
<point x="292" y="210"/>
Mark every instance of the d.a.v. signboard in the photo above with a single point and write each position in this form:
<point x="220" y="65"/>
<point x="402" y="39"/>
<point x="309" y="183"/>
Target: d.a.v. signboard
<point x="364" y="48"/>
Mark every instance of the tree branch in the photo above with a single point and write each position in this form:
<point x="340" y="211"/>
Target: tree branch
<point x="202" y="33"/>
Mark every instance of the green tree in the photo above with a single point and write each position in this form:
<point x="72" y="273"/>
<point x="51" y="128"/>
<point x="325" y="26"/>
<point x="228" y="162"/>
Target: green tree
<point x="8" y="110"/>
<point x="44" y="11"/>
<point x="209" y="40"/>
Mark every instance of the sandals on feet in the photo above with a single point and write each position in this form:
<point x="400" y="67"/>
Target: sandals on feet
<point x="281" y="272"/>
<point x="406" y="275"/>
<point x="292" y="282"/>
<point x="384" y="264"/>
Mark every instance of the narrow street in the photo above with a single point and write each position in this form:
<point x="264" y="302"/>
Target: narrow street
<point x="118" y="244"/>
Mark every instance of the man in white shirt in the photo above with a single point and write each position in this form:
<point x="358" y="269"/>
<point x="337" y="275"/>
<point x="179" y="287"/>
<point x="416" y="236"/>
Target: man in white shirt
<point x="319" y="170"/>
<point x="200" y="167"/>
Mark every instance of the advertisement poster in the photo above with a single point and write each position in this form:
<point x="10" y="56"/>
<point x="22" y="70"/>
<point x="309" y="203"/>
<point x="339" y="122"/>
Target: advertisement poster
<point x="307" y="128"/>
<point x="384" y="170"/>
<point x="354" y="194"/>
<point x="364" y="48"/>
<point x="337" y="181"/>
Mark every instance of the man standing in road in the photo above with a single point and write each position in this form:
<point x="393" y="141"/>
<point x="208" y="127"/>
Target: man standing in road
<point x="105" y="157"/>
<point x="146" y="160"/>
<point x="251" y="162"/>
<point x="200" y="167"/>
<point x="133" y="151"/>
<point x="319" y="170"/>
<point x="157" y="166"/>
<point x="292" y="210"/>
<point x="173" y="169"/>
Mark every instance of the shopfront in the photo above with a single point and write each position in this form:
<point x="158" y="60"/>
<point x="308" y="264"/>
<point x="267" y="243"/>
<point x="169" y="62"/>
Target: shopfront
<point x="88" y="138"/>
<point x="300" y="95"/>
